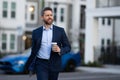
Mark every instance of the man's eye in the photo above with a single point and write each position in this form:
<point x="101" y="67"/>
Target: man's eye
<point x="49" y="15"/>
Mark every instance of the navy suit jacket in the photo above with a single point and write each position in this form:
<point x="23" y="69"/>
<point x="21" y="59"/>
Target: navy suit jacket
<point x="60" y="37"/>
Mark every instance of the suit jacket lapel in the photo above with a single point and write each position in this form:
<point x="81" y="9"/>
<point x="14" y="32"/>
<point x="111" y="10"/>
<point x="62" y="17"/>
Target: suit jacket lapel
<point x="54" y="34"/>
<point x="39" y="33"/>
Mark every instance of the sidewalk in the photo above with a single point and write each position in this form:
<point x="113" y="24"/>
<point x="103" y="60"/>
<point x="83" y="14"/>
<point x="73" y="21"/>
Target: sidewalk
<point x="114" y="69"/>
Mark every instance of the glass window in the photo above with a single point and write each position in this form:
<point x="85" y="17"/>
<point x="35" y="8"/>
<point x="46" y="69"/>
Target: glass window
<point x="32" y="12"/>
<point x="4" y="41"/>
<point x="5" y="5"/>
<point x="103" y="21"/>
<point x="4" y="46"/>
<point x="55" y="10"/>
<point x="32" y="16"/>
<point x="55" y="18"/>
<point x="12" y="46"/>
<point x="12" y="14"/>
<point x="12" y="41"/>
<point x="108" y="41"/>
<point x="4" y="12"/>
<point x="62" y="15"/>
<point x="82" y="17"/>
<point x="62" y="18"/>
<point x="4" y="37"/>
<point x="13" y="10"/>
<point x="107" y="3"/>
<point x="13" y="5"/>
<point x="55" y="14"/>
<point x="102" y="42"/>
<point x="12" y="37"/>
<point x="101" y="3"/>
<point x="62" y="11"/>
<point x="109" y="21"/>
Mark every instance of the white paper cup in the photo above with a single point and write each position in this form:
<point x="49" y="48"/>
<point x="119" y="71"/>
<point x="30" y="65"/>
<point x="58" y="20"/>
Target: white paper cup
<point x="53" y="44"/>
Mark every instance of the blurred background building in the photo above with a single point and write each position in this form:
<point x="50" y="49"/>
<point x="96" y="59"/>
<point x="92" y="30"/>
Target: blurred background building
<point x="17" y="20"/>
<point x="91" y="25"/>
<point x="12" y="25"/>
<point x="20" y="20"/>
<point x="102" y="40"/>
<point x="70" y="14"/>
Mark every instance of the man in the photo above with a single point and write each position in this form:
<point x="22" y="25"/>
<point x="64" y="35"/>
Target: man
<point x="45" y="59"/>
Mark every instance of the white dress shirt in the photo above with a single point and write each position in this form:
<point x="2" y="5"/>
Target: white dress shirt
<point x="45" y="49"/>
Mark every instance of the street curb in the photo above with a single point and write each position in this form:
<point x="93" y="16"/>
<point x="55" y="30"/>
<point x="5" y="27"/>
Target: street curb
<point x="99" y="70"/>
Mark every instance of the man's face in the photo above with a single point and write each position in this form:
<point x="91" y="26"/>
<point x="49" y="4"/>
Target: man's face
<point x="48" y="17"/>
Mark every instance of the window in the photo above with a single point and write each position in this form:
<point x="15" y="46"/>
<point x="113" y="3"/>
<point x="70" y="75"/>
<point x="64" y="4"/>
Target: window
<point x="32" y="16"/>
<point x="102" y="42"/>
<point x="12" y="41"/>
<point x="4" y="41"/>
<point x="109" y="21"/>
<point x="55" y="14"/>
<point x="62" y="15"/>
<point x="4" y="14"/>
<point x="107" y="3"/>
<point x="32" y="10"/>
<point x="108" y="42"/>
<point x="5" y="6"/>
<point x="13" y="9"/>
<point x="12" y="14"/>
<point x="82" y="17"/>
<point x="103" y="21"/>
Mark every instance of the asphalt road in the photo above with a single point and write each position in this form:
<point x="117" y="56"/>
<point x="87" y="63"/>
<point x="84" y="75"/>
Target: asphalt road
<point x="88" y="76"/>
<point x="65" y="76"/>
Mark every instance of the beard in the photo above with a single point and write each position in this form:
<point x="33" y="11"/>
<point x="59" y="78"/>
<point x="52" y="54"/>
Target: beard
<point x="48" y="22"/>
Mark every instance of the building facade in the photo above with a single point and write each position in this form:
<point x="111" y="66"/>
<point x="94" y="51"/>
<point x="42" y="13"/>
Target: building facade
<point x="89" y="27"/>
<point x="12" y="23"/>
<point x="17" y="20"/>
<point x="102" y="25"/>
<point x="67" y="14"/>
<point x="32" y="20"/>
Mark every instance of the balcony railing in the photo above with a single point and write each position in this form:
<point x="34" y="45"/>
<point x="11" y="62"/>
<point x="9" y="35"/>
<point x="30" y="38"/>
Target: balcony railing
<point x="107" y="3"/>
<point x="108" y="54"/>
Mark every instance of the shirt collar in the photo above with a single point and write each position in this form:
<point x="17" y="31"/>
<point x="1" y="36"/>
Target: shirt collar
<point x="51" y="27"/>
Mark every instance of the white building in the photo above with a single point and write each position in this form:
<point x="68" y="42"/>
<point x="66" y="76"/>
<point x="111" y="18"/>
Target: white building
<point x="17" y="20"/>
<point x="12" y="20"/>
<point x="102" y="26"/>
<point x="32" y="19"/>
<point x="19" y="17"/>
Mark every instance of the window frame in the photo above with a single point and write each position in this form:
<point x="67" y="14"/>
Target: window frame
<point x="13" y="10"/>
<point x="5" y="9"/>
<point x="4" y="41"/>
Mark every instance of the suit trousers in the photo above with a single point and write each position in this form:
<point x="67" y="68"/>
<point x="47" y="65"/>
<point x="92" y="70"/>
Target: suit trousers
<point x="43" y="71"/>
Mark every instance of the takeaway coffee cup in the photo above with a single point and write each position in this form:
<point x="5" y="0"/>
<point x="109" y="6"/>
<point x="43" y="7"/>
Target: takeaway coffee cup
<point x="54" y="44"/>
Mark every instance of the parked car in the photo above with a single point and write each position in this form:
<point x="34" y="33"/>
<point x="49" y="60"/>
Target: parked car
<point x="16" y="63"/>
